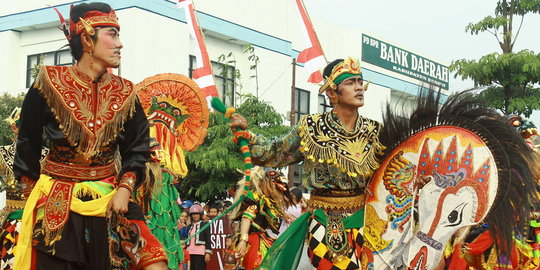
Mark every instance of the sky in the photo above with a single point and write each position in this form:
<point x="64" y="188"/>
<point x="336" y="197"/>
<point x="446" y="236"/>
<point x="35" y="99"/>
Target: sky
<point x="433" y="28"/>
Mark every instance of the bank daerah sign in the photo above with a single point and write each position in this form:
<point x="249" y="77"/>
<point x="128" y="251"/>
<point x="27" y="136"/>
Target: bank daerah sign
<point x="388" y="56"/>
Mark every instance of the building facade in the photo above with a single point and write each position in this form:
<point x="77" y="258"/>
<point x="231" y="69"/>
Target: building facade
<point x="156" y="40"/>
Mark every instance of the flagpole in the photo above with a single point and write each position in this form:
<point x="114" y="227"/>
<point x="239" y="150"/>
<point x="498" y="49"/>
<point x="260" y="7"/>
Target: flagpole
<point x="292" y="117"/>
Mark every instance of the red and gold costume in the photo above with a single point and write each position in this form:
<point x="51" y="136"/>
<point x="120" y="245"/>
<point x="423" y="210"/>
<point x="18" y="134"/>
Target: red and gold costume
<point x="86" y="123"/>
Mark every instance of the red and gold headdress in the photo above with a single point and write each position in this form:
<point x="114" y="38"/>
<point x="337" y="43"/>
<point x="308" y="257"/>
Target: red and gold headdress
<point x="88" y="22"/>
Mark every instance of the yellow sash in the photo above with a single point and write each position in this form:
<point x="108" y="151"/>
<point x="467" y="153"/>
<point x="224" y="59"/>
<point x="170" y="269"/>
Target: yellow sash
<point x="23" y="248"/>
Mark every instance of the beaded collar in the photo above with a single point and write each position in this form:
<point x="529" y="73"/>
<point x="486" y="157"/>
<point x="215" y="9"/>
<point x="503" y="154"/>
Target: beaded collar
<point x="325" y="140"/>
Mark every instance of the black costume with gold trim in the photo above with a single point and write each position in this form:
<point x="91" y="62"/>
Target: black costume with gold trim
<point x="87" y="122"/>
<point x="338" y="163"/>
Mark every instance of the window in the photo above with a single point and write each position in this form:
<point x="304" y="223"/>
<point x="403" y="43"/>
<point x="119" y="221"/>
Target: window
<point x="56" y="58"/>
<point x="223" y="77"/>
<point x="191" y="65"/>
<point x="302" y="103"/>
<point x="324" y="105"/>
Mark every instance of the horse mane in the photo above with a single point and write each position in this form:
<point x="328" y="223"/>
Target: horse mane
<point x="516" y="193"/>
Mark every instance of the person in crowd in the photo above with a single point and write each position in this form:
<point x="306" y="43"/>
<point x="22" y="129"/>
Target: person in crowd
<point x="230" y="260"/>
<point x="213" y="210"/>
<point x="186" y="263"/>
<point x="293" y="211"/>
<point x="199" y="245"/>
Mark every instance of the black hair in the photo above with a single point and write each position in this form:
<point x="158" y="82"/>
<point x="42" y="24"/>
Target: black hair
<point x="76" y="13"/>
<point x="214" y="206"/>
<point x="328" y="69"/>
<point x="297" y="193"/>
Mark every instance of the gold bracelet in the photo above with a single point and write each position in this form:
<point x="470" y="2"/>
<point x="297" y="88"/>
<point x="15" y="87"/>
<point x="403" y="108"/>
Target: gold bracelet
<point x="128" y="179"/>
<point x="244" y="237"/>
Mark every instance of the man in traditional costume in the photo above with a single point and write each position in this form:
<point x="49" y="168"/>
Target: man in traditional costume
<point x="92" y="119"/>
<point x="339" y="150"/>
<point x="260" y="212"/>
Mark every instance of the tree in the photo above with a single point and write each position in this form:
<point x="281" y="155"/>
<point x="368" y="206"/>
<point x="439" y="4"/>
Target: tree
<point x="7" y="104"/>
<point x="509" y="78"/>
<point x="217" y="164"/>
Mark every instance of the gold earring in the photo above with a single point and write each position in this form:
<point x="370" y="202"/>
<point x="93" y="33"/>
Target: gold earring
<point x="91" y="59"/>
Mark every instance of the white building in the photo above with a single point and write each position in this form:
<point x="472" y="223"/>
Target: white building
<point x="155" y="38"/>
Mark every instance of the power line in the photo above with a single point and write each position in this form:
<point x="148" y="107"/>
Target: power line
<point x="279" y="77"/>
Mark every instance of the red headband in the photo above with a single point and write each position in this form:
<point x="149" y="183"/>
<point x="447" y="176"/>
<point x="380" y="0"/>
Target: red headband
<point x="94" y="19"/>
<point x="88" y="22"/>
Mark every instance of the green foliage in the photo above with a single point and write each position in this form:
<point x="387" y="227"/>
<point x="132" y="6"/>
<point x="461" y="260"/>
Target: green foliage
<point x="216" y="165"/>
<point x="503" y="21"/>
<point x="488" y="23"/>
<point x="509" y="78"/>
<point x="7" y="104"/>
<point x="512" y="69"/>
<point x="254" y="59"/>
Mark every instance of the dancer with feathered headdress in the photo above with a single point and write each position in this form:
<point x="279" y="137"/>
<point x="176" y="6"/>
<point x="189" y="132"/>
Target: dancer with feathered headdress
<point x="260" y="211"/>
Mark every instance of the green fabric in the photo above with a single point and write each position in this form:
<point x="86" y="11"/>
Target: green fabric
<point x="344" y="76"/>
<point x="17" y="214"/>
<point x="355" y="220"/>
<point x="286" y="251"/>
<point x="164" y="213"/>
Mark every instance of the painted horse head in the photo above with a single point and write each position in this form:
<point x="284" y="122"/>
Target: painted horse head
<point x="479" y="174"/>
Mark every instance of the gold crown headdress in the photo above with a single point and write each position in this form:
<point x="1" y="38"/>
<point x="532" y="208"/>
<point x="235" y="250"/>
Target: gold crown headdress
<point x="343" y="70"/>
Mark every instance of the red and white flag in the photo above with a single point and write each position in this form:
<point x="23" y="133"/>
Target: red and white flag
<point x="202" y="74"/>
<point x="312" y="57"/>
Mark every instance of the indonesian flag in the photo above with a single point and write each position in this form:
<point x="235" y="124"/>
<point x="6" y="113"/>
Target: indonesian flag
<point x="312" y="57"/>
<point x="202" y="74"/>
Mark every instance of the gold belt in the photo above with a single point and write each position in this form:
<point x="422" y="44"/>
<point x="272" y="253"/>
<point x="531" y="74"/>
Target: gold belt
<point x="78" y="172"/>
<point x="351" y="203"/>
<point x="15" y="204"/>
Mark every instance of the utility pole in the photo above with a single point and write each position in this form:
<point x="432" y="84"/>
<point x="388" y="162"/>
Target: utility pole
<point x="292" y="117"/>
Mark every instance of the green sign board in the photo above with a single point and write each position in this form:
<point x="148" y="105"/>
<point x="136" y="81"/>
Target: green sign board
<point x="388" y="56"/>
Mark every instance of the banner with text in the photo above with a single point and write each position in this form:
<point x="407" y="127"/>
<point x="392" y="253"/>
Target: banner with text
<point x="388" y="56"/>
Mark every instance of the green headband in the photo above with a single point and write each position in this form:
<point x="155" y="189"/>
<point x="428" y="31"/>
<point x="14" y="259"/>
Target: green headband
<point x="345" y="76"/>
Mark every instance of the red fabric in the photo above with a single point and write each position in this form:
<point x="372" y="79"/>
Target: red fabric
<point x="480" y="244"/>
<point x="456" y="262"/>
<point x="186" y="260"/>
<point x="153" y="251"/>
<point x="315" y="50"/>
<point x="252" y="259"/>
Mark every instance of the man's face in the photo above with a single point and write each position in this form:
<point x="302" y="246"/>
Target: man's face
<point x="107" y="47"/>
<point x="351" y="92"/>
